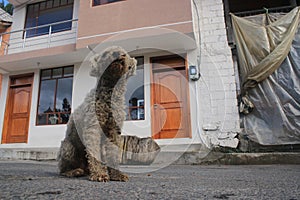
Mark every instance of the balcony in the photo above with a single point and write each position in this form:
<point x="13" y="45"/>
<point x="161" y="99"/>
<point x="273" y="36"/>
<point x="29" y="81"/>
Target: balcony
<point x="40" y="37"/>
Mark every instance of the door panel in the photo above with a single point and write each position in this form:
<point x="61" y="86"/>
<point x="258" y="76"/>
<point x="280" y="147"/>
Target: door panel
<point x="21" y="98"/>
<point x="170" y="111"/>
<point x="17" y="111"/>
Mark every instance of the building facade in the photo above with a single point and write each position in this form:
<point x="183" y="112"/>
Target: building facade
<point x="5" y="26"/>
<point x="46" y="70"/>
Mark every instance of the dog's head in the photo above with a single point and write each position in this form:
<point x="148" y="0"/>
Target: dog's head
<point x="115" y="61"/>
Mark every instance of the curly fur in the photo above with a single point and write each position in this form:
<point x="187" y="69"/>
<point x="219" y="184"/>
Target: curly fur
<point x="93" y="131"/>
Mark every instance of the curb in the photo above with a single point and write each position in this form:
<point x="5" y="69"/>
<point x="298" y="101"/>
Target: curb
<point x="218" y="158"/>
<point x="38" y="154"/>
<point x="187" y="158"/>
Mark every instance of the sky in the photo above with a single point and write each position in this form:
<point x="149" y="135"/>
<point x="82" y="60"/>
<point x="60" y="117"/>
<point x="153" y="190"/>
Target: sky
<point x="5" y="2"/>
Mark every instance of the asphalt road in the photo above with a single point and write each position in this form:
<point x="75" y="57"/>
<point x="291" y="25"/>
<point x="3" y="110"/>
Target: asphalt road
<point x="40" y="180"/>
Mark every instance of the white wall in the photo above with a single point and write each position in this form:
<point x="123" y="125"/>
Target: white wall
<point x="217" y="88"/>
<point x="3" y="96"/>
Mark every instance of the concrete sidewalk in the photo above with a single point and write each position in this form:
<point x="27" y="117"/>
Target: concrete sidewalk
<point x="191" y="156"/>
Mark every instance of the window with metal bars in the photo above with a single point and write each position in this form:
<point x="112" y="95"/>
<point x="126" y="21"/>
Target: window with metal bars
<point x="44" y="13"/>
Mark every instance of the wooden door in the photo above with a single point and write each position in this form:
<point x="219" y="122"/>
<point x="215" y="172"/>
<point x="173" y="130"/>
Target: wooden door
<point x="17" y="111"/>
<point x="170" y="108"/>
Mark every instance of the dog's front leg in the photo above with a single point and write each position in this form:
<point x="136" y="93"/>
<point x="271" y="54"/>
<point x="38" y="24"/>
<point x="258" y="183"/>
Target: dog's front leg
<point x="97" y="169"/>
<point x="111" y="154"/>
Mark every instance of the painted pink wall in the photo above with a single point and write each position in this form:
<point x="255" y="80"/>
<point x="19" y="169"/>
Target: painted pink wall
<point x="130" y="14"/>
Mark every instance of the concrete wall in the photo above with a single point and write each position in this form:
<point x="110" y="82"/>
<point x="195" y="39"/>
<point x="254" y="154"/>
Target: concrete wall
<point x="218" y="111"/>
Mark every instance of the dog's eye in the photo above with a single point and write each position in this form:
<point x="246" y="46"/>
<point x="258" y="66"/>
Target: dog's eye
<point x="129" y="67"/>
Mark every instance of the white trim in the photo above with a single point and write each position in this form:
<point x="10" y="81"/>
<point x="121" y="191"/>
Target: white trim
<point x="136" y="29"/>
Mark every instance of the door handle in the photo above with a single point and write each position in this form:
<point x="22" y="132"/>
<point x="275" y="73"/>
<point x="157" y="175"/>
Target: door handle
<point x="155" y="106"/>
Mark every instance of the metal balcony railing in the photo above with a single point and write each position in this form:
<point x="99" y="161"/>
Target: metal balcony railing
<point x="283" y="9"/>
<point x="39" y="37"/>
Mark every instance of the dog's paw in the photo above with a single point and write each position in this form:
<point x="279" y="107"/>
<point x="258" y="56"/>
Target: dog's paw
<point x="74" y="173"/>
<point x="123" y="177"/>
<point x="99" y="177"/>
<point x="117" y="175"/>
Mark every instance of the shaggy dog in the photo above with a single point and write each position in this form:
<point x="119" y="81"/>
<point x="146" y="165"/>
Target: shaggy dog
<point x="93" y="131"/>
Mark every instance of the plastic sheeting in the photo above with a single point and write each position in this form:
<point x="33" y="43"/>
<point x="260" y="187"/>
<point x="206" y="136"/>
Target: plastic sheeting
<point x="275" y="90"/>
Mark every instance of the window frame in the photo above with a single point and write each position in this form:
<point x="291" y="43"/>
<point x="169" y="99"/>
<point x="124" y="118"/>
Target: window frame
<point x="48" y="123"/>
<point x="37" y="14"/>
<point x="94" y="5"/>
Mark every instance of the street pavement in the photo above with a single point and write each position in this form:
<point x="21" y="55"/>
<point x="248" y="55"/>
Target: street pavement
<point x="40" y="180"/>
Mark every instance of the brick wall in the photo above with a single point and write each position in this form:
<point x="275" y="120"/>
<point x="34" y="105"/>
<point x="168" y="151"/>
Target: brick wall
<point x="217" y="86"/>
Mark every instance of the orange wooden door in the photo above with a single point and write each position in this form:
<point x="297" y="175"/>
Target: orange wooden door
<point x="170" y="108"/>
<point x="17" y="111"/>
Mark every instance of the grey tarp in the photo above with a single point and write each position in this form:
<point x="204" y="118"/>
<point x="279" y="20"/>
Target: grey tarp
<point x="269" y="57"/>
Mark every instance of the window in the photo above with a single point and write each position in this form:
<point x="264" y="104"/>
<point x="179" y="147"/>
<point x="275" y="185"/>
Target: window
<point x="48" y="12"/>
<point x="135" y="93"/>
<point x="100" y="2"/>
<point x="55" y="96"/>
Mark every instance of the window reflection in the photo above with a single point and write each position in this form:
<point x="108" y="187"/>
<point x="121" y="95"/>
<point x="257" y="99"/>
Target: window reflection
<point x="48" y="12"/>
<point x="135" y="94"/>
<point x="55" y="97"/>
<point x="47" y="90"/>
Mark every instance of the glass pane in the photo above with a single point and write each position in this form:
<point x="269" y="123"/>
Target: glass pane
<point x="68" y="71"/>
<point x="135" y="96"/>
<point x="56" y="3"/>
<point x="63" y="14"/>
<point x="96" y="2"/>
<point x="65" y="117"/>
<point x="70" y="1"/>
<point x="49" y="4"/>
<point x="46" y="74"/>
<point x="64" y="95"/>
<point x="41" y="119"/>
<point x="36" y="7"/>
<point x="53" y="119"/>
<point x="57" y="73"/>
<point x="63" y="2"/>
<point x="47" y="94"/>
<point x="30" y="10"/>
<point x="140" y="62"/>
<point x="30" y="21"/>
<point x="42" y="5"/>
